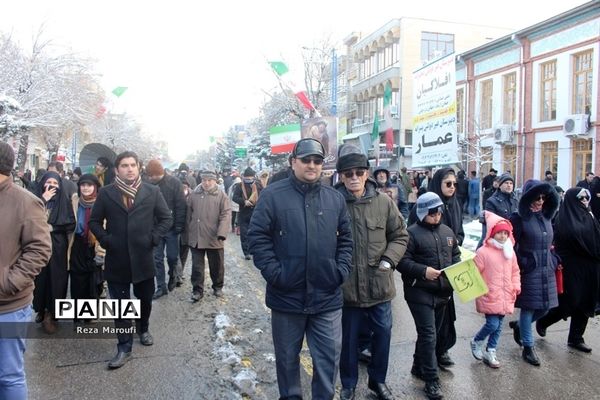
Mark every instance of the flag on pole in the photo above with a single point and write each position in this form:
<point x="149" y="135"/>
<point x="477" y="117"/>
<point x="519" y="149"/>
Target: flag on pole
<point x="375" y="136"/>
<point x="284" y="137"/>
<point x="119" y="90"/>
<point x="466" y="280"/>
<point x="387" y="113"/>
<point x="282" y="72"/>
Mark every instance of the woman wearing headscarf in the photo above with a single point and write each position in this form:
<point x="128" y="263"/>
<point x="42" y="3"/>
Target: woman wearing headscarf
<point x="577" y="242"/>
<point x="444" y="184"/>
<point x="85" y="273"/>
<point x="52" y="282"/>
<point x="534" y="235"/>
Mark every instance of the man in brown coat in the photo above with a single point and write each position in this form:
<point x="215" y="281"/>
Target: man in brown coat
<point x="208" y="222"/>
<point x="24" y="251"/>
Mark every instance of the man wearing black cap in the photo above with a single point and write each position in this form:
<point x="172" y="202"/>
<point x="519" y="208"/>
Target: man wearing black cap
<point x="487" y="180"/>
<point x="503" y="201"/>
<point x="301" y="242"/>
<point x="246" y="195"/>
<point x="380" y="239"/>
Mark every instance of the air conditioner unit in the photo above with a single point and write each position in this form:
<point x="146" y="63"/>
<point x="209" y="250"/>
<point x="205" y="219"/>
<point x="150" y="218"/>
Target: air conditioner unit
<point x="576" y="125"/>
<point x="503" y="134"/>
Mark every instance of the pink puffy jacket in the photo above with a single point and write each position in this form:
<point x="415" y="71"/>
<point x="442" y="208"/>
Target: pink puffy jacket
<point x="502" y="276"/>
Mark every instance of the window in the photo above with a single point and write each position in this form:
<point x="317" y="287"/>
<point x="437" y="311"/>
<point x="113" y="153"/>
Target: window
<point x="548" y="91"/>
<point x="408" y="137"/>
<point x="485" y="107"/>
<point x="582" y="83"/>
<point x="549" y="158"/>
<point x="509" y="99"/>
<point x="435" y="45"/>
<point x="460" y="109"/>
<point x="582" y="159"/>
<point x="509" y="161"/>
<point x="486" y="156"/>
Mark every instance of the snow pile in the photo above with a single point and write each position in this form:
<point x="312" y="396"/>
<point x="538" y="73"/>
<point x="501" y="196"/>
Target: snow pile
<point x="245" y="381"/>
<point x="222" y="321"/>
<point x="229" y="354"/>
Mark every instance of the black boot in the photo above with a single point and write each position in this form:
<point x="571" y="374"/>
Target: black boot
<point x="433" y="390"/>
<point x="530" y="356"/>
<point x="514" y="325"/>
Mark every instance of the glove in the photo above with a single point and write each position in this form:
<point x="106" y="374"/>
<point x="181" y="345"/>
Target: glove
<point x="221" y="237"/>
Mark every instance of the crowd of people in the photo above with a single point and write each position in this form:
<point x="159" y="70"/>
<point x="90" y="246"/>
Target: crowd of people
<point x="326" y="245"/>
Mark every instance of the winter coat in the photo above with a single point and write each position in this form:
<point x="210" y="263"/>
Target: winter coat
<point x="172" y="191"/>
<point x="130" y="235"/>
<point x="25" y="247"/>
<point x="577" y="241"/>
<point x="533" y="236"/>
<point x="502" y="204"/>
<point x="301" y="241"/>
<point x="499" y="273"/>
<point x="245" y="212"/>
<point x="379" y="233"/>
<point x="428" y="246"/>
<point x="208" y="218"/>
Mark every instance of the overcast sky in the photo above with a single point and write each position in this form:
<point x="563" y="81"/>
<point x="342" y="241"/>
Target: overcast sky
<point x="193" y="71"/>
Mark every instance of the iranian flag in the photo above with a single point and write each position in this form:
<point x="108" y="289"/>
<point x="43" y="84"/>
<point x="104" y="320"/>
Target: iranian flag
<point x="284" y="137"/>
<point x="375" y="136"/>
<point x="282" y="72"/>
<point x="387" y="115"/>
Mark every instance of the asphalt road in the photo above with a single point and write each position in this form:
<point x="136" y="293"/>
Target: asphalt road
<point x="222" y="349"/>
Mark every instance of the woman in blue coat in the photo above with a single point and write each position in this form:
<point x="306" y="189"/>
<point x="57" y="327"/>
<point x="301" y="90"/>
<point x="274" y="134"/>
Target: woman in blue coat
<point x="534" y="235"/>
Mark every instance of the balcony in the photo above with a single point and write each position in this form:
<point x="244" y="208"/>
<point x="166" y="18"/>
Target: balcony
<point x="392" y="73"/>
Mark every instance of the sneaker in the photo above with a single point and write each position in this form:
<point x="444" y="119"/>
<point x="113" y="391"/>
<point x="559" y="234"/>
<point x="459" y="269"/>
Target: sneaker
<point x="489" y="357"/>
<point x="477" y="349"/>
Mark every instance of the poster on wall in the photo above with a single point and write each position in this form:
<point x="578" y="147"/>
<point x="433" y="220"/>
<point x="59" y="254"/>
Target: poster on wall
<point x="324" y="129"/>
<point x="435" y="141"/>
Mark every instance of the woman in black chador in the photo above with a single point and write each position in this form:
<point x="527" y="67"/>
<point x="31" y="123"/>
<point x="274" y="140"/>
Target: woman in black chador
<point x="52" y="282"/>
<point x="577" y="242"/>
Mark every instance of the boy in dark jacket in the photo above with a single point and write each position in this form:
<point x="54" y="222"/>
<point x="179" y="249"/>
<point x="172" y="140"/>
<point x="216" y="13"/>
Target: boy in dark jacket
<point x="432" y="246"/>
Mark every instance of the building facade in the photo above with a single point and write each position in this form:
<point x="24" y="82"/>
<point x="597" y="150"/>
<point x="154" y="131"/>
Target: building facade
<point x="390" y="55"/>
<point x="527" y="103"/>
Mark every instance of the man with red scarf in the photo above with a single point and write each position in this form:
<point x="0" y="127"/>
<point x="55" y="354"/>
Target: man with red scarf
<point x="129" y="206"/>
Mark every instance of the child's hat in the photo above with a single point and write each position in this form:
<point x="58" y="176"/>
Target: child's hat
<point x="426" y="202"/>
<point x="503" y="225"/>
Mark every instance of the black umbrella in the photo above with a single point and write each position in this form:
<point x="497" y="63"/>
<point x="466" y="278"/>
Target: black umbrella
<point x="91" y="152"/>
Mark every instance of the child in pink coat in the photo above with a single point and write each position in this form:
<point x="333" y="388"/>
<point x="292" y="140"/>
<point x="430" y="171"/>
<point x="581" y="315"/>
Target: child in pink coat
<point x="497" y="263"/>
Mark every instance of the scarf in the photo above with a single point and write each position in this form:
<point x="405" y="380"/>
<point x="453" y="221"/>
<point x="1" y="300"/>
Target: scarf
<point x="253" y="196"/>
<point x="128" y="191"/>
<point x="506" y="247"/>
<point x="83" y="218"/>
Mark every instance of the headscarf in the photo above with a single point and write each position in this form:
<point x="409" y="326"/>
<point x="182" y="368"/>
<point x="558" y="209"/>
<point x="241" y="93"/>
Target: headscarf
<point x="84" y="210"/>
<point x="59" y="207"/>
<point x="454" y="218"/>
<point x="576" y="228"/>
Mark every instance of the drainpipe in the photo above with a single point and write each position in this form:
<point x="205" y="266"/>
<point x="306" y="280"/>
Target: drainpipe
<point x="521" y="128"/>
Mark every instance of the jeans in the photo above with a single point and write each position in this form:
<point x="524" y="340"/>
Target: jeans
<point x="13" y="385"/>
<point x="492" y="328"/>
<point x="379" y="321"/>
<point x="324" y="337"/>
<point x="526" y="318"/>
<point x="144" y="291"/>
<point x="474" y="206"/>
<point x="171" y="243"/>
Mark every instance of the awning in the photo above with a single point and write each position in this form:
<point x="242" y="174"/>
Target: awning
<point x="353" y="135"/>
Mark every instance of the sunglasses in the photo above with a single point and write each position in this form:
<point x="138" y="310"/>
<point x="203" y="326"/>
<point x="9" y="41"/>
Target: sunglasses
<point x="586" y="198"/>
<point x="541" y="197"/>
<point x="449" y="184"/>
<point x="314" y="160"/>
<point x="352" y="172"/>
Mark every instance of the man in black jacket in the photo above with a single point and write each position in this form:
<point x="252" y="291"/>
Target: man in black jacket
<point x="137" y="217"/>
<point x="172" y="190"/>
<point x="301" y="242"/>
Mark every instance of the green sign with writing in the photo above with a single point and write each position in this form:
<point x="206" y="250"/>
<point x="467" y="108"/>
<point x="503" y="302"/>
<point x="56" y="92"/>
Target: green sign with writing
<point x="241" y="152"/>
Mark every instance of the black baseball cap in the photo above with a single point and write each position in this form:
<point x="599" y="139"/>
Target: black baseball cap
<point x="308" y="147"/>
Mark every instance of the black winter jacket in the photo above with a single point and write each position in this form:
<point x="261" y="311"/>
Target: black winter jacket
<point x="301" y="241"/>
<point x="129" y="237"/>
<point x="502" y="204"/>
<point x="428" y="246"/>
<point x="172" y="190"/>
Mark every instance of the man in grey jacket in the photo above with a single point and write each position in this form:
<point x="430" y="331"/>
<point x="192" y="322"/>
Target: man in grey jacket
<point x="380" y="238"/>
<point x="25" y="250"/>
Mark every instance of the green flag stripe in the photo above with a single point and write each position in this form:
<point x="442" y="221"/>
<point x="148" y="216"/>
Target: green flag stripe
<point x="284" y="128"/>
<point x="279" y="67"/>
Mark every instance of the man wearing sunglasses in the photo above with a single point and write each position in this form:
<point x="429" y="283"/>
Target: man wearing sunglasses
<point x="380" y="239"/>
<point x="301" y="241"/>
